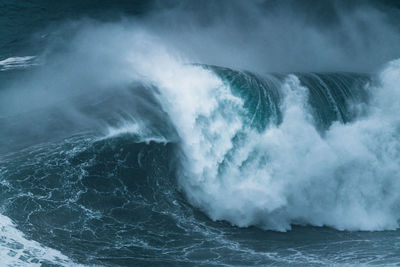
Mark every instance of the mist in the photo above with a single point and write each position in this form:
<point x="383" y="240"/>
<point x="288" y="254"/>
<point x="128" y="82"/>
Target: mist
<point x="282" y="36"/>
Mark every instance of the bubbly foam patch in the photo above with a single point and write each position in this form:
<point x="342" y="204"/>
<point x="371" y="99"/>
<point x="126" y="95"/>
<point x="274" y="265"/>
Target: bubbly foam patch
<point x="16" y="250"/>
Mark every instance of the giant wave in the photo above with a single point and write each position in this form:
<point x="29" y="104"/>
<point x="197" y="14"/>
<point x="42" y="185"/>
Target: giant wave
<point x="267" y="150"/>
<point x="144" y="136"/>
<point x="308" y="149"/>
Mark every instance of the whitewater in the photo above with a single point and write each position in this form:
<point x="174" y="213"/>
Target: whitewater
<point x="288" y="173"/>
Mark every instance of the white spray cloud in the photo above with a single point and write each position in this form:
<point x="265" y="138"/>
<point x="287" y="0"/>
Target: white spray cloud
<point x="290" y="174"/>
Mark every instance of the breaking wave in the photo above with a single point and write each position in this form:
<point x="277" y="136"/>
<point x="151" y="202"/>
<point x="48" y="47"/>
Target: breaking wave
<point x="270" y="150"/>
<point x="306" y="149"/>
<point x="283" y="149"/>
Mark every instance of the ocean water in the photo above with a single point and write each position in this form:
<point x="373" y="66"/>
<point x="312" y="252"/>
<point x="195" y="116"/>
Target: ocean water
<point x="123" y="145"/>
